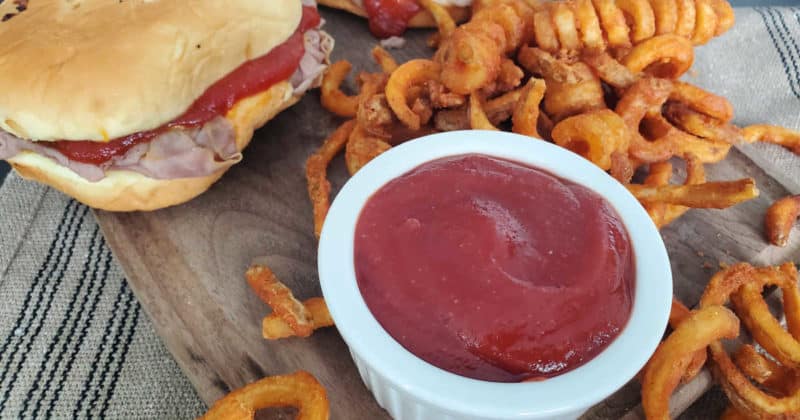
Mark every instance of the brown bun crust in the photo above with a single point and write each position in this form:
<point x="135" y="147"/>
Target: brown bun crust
<point x="129" y="191"/>
<point x="422" y="19"/>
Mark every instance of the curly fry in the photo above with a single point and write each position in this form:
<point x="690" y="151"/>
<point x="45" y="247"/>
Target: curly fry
<point x="718" y="195"/>
<point x="609" y="69"/>
<point x="665" y="13"/>
<point x="526" y="112"/>
<point x="706" y="24"/>
<point x="695" y="174"/>
<point x="613" y="22"/>
<point x="411" y="73"/>
<point x="642" y="16"/>
<point x="744" y="396"/>
<point x="444" y="21"/>
<point x="564" y="23"/>
<point x="594" y="135"/>
<point x="472" y="55"/>
<point x="362" y="148"/>
<point x="299" y="389"/>
<point x="280" y="298"/>
<point x="273" y="327"/>
<point x="588" y="25"/>
<point x="677" y="315"/>
<point x="702" y="101"/>
<point x="384" y="59"/>
<point x="666" y="367"/>
<point x="659" y="174"/>
<point x="682" y="143"/>
<point x="319" y="189"/>
<point x="780" y="218"/>
<point x="725" y="16"/>
<point x="785" y="137"/>
<point x="643" y="95"/>
<point x="477" y="116"/>
<point x="667" y="56"/>
<point x="702" y="125"/>
<point x="686" y="18"/>
<point x="332" y="97"/>
<point x="544" y="31"/>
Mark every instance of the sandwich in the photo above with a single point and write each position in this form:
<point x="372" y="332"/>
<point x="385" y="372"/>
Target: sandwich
<point x="143" y="104"/>
<point x="389" y="18"/>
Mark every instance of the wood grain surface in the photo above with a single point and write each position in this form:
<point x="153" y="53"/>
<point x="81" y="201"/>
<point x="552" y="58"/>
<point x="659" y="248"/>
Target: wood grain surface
<point x="185" y="264"/>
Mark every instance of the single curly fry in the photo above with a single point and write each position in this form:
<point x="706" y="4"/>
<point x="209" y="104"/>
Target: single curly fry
<point x="525" y="118"/>
<point x="588" y="25"/>
<point x="665" y="56"/>
<point x="725" y="16"/>
<point x="641" y="16"/>
<point x="273" y="327"/>
<point x="701" y="100"/>
<point x="683" y="144"/>
<point x="609" y="69"/>
<point x="594" y="135"/>
<point x="564" y="23"/>
<point x="362" y="148"/>
<point x="673" y="355"/>
<point x="665" y="13"/>
<point x="645" y="94"/>
<point x="780" y="219"/>
<point x="544" y="31"/>
<point x="508" y="17"/>
<point x="717" y="195"/>
<point x="785" y="137"/>
<point x="477" y="117"/>
<point x="384" y="59"/>
<point x="695" y="174"/>
<point x="411" y="73"/>
<point x="319" y="189"/>
<point x="659" y="174"/>
<point x="706" y="24"/>
<point x="331" y="95"/>
<point x="613" y="22"/>
<point x="678" y="314"/>
<point x="300" y="390"/>
<point x="444" y="21"/>
<point x="280" y="298"/>
<point x="702" y="125"/>
<point x="686" y="18"/>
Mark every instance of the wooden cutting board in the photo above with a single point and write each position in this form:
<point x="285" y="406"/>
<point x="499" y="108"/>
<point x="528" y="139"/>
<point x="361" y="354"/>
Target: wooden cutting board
<point x="185" y="264"/>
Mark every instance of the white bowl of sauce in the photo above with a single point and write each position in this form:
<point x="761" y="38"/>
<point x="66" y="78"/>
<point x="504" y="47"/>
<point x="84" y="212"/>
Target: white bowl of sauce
<point x="487" y="275"/>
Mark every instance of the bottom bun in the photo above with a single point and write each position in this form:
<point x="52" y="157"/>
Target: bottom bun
<point x="129" y="191"/>
<point x="422" y="19"/>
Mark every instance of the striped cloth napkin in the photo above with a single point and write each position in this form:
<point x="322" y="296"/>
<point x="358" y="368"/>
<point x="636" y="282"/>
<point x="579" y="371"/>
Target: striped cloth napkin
<point x="74" y="341"/>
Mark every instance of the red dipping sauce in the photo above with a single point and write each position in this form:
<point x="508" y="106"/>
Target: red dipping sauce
<point x="494" y="270"/>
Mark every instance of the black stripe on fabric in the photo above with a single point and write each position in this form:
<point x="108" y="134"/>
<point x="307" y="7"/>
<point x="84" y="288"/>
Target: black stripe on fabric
<point x="114" y="347"/>
<point x="87" y="384"/>
<point x="63" y="336"/>
<point x="52" y="283"/>
<point x="781" y="55"/>
<point x="43" y="277"/>
<point x="126" y="345"/>
<point x="91" y="312"/>
<point x="785" y="34"/>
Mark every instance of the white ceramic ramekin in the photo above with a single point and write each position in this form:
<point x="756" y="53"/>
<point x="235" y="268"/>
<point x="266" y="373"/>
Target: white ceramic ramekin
<point x="410" y="388"/>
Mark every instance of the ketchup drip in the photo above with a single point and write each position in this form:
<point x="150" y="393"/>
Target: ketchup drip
<point x="390" y="17"/>
<point x="253" y="76"/>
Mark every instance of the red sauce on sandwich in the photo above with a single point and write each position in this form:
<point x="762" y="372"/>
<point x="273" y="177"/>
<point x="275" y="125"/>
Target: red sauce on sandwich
<point x="390" y="17"/>
<point x="252" y="77"/>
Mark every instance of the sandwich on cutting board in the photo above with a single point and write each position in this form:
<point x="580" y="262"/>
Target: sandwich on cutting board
<point x="143" y="104"/>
